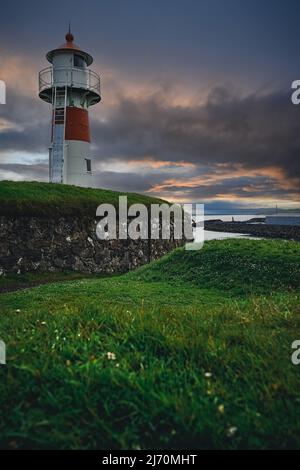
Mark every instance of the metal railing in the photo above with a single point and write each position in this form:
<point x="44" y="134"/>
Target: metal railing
<point x="69" y="76"/>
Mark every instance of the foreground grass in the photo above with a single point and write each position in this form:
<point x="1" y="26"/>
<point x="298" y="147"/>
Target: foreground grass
<point x="201" y="354"/>
<point x="13" y="282"/>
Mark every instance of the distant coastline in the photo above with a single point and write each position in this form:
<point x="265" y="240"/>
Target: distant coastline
<point x="255" y="226"/>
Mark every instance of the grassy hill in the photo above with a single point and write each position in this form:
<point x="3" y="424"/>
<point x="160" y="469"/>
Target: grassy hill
<point x="191" y="351"/>
<point x="54" y="200"/>
<point x="235" y="268"/>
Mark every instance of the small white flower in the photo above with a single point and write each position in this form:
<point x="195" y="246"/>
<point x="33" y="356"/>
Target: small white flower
<point x="111" y="356"/>
<point x="221" y="409"/>
<point x="231" y="431"/>
<point x="208" y="375"/>
<point x="18" y="310"/>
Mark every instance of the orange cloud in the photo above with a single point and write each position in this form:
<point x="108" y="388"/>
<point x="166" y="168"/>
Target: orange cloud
<point x="20" y="73"/>
<point x="178" y="189"/>
<point x="149" y="162"/>
<point x="219" y="175"/>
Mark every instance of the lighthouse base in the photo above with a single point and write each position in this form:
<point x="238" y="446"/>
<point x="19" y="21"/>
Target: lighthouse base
<point x="77" y="165"/>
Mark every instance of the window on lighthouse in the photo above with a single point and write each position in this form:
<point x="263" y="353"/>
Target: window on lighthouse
<point x="79" y="61"/>
<point x="88" y="165"/>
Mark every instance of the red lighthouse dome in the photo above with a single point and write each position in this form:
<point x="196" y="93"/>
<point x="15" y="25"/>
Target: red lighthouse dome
<point x="69" y="45"/>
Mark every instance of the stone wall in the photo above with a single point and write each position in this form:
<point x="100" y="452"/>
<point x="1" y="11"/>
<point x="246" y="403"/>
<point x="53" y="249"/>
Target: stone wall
<point x="30" y="244"/>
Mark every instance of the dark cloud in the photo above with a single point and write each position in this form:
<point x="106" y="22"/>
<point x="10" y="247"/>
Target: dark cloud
<point x="132" y="182"/>
<point x="255" y="131"/>
<point x="28" y="121"/>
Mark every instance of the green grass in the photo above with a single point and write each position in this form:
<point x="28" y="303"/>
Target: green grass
<point x="13" y="282"/>
<point x="168" y="323"/>
<point x="237" y="268"/>
<point x="54" y="200"/>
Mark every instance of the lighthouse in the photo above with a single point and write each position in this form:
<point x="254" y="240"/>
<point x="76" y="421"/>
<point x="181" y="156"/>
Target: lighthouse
<point x="71" y="88"/>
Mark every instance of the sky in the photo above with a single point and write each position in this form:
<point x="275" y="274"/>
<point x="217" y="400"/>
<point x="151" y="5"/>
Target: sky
<point x="196" y="96"/>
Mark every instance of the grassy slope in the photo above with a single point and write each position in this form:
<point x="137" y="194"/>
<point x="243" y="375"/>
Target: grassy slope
<point x="239" y="268"/>
<point x="45" y="199"/>
<point x="168" y="323"/>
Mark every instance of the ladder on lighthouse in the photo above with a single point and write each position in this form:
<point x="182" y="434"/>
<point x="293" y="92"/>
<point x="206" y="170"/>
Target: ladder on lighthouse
<point x="59" y="104"/>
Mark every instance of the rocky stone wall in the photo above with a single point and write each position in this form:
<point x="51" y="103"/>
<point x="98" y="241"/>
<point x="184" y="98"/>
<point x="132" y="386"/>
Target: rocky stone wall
<point x="30" y="244"/>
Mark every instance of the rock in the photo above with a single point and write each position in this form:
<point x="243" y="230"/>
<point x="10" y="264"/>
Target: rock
<point x="46" y="245"/>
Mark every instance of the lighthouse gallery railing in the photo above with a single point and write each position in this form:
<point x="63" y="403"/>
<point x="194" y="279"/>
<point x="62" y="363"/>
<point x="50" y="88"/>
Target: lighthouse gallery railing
<point x="70" y="76"/>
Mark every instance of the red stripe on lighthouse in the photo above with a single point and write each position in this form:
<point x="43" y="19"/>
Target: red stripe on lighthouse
<point x="77" y="124"/>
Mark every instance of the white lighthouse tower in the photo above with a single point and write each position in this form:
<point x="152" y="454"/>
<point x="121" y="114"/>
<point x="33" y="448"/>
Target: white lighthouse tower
<point x="71" y="87"/>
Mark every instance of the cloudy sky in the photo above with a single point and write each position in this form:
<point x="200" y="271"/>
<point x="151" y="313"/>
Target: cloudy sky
<point x="196" y="95"/>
